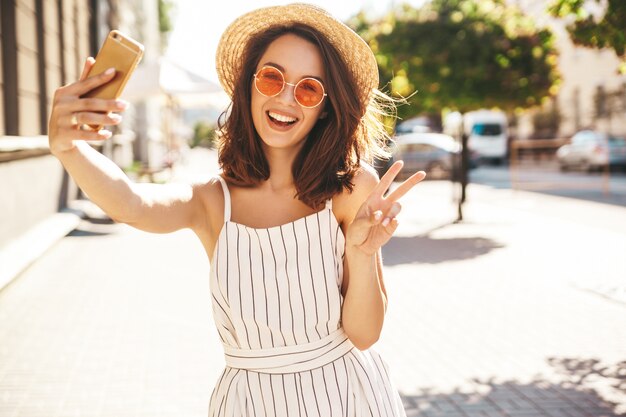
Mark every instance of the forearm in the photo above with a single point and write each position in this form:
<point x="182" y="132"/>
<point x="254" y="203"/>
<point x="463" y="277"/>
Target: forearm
<point x="101" y="179"/>
<point x="364" y="305"/>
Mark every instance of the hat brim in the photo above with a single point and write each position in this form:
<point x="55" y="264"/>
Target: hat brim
<point x="355" y="52"/>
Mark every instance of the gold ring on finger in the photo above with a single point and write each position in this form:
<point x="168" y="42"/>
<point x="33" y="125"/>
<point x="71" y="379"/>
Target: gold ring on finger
<point x="74" y="120"/>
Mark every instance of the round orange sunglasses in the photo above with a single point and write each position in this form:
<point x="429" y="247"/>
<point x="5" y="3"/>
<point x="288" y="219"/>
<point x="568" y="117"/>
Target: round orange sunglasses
<point x="308" y="92"/>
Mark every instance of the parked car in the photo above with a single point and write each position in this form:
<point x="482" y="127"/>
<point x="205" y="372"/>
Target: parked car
<point x="591" y="150"/>
<point x="419" y="124"/>
<point x="433" y="153"/>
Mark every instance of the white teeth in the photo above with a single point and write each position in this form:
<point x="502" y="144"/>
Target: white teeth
<point x="281" y="118"/>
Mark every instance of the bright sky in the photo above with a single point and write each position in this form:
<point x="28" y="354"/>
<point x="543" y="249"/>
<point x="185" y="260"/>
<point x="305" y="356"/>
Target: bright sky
<point x="198" y="25"/>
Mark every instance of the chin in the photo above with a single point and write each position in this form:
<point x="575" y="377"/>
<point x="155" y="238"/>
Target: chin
<point x="271" y="141"/>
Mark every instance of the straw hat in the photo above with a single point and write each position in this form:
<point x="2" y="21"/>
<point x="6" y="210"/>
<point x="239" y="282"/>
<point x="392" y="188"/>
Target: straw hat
<point x="355" y="52"/>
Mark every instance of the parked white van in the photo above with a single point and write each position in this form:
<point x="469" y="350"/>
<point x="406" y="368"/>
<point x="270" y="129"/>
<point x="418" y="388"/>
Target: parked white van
<point x="487" y="132"/>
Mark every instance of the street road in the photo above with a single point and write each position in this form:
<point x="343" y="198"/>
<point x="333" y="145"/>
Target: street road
<point x="545" y="177"/>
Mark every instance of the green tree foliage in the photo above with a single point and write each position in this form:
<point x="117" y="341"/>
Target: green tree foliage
<point x="166" y="10"/>
<point x="462" y="55"/>
<point x="203" y="135"/>
<point x="607" y="31"/>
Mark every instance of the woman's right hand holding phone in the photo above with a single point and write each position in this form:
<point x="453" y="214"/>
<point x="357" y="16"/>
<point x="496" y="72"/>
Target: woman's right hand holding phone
<point x="70" y="111"/>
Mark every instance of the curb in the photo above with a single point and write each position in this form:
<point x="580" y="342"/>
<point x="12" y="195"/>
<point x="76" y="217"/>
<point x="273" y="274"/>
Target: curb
<point x="20" y="253"/>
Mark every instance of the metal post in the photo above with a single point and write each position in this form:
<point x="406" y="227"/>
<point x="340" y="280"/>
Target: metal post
<point x="463" y="173"/>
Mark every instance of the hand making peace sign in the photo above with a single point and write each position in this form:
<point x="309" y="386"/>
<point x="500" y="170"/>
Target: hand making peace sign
<point x="375" y="221"/>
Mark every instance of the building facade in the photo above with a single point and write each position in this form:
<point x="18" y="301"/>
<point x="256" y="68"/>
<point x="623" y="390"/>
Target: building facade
<point x="592" y="93"/>
<point x="43" y="46"/>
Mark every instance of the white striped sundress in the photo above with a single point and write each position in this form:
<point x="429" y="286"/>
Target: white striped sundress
<point x="276" y="297"/>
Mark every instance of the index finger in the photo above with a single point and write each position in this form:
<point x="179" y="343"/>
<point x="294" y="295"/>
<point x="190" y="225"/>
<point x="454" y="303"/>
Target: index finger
<point x="88" y="64"/>
<point x="387" y="179"/>
<point x="406" y="185"/>
<point x="83" y="86"/>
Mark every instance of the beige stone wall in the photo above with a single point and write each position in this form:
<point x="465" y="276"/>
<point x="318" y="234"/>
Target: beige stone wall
<point x="52" y="48"/>
<point x="32" y="181"/>
<point x="75" y="31"/>
<point x="30" y="193"/>
<point x="583" y="70"/>
<point x="69" y="55"/>
<point x="82" y="22"/>
<point x="27" y="66"/>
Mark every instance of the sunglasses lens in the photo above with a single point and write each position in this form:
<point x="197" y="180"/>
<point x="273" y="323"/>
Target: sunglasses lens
<point x="309" y="92"/>
<point x="269" y="81"/>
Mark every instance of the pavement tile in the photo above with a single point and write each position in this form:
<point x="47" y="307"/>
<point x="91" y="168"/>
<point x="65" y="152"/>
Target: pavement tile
<point x="8" y="411"/>
<point x="440" y="405"/>
<point x="501" y="413"/>
<point x="525" y="413"/>
<point x="523" y="403"/>
<point x="35" y="410"/>
<point x="430" y="413"/>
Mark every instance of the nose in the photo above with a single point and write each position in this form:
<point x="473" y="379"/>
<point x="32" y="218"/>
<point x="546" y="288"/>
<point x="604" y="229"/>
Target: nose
<point x="288" y="96"/>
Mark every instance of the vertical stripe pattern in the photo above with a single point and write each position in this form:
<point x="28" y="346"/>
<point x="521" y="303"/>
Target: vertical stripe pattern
<point x="278" y="290"/>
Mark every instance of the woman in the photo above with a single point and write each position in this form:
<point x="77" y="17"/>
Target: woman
<point x="293" y="225"/>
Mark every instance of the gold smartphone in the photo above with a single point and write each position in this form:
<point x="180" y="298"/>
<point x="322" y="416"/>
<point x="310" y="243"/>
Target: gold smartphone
<point x="122" y="53"/>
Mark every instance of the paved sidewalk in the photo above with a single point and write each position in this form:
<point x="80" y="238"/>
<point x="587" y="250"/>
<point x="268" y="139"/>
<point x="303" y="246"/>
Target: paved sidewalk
<point x="518" y="311"/>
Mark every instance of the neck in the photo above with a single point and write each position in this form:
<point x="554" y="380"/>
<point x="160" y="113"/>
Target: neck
<point x="280" y="162"/>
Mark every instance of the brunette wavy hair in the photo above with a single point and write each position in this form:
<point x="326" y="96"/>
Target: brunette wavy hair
<point x="350" y="133"/>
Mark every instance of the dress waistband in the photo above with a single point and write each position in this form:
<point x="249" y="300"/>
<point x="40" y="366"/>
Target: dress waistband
<point x="289" y="359"/>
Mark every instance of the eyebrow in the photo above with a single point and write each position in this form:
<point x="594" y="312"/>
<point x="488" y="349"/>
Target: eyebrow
<point x="280" y="67"/>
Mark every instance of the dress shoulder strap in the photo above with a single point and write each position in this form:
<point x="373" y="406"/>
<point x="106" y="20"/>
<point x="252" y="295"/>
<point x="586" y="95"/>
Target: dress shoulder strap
<point x="329" y="203"/>
<point x="226" y="199"/>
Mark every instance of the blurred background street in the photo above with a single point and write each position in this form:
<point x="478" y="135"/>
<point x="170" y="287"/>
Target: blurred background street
<point x="506" y="278"/>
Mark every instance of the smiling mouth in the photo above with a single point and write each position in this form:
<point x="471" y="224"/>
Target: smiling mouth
<point x="281" y="120"/>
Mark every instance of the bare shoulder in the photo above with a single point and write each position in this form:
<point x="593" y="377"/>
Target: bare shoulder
<point x="208" y="191"/>
<point x="366" y="178"/>
<point x="348" y="202"/>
